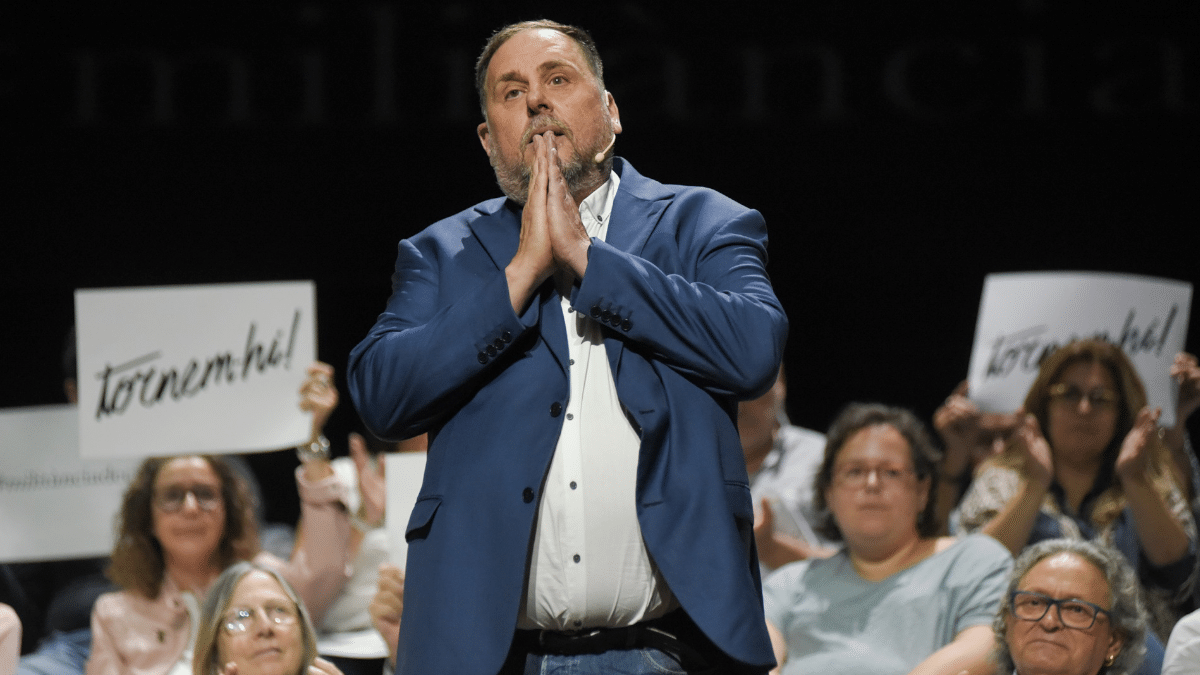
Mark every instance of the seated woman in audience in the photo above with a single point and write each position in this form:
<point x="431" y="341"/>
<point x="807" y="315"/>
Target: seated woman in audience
<point x="254" y="624"/>
<point x="1072" y="608"/>
<point x="1088" y="463"/>
<point x="185" y="519"/>
<point x="895" y="599"/>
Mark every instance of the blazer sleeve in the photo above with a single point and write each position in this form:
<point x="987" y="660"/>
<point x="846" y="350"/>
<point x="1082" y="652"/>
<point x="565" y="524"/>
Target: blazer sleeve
<point x="713" y="318"/>
<point x="445" y="323"/>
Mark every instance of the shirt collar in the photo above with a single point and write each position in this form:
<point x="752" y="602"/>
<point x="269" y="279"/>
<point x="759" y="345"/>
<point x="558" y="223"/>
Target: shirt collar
<point x="596" y="208"/>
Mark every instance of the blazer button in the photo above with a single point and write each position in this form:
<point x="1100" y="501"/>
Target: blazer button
<point x="491" y="350"/>
<point x="483" y="358"/>
<point x="506" y="337"/>
<point x="595" y="311"/>
<point x="527" y="495"/>
<point x="498" y="344"/>
<point x="555" y="409"/>
<point x="606" y="316"/>
<point x="616" y="321"/>
<point x="626" y="325"/>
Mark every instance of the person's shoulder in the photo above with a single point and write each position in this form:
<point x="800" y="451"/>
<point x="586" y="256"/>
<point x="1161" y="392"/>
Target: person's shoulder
<point x="693" y="197"/>
<point x="799" y="436"/>
<point x="458" y="224"/>
<point x="976" y="554"/>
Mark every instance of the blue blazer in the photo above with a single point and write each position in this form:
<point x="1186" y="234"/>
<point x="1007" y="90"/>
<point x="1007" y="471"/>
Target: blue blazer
<point x="693" y="326"/>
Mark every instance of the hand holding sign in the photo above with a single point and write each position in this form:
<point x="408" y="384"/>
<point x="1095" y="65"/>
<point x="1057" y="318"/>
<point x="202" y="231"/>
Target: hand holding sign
<point x="1186" y="373"/>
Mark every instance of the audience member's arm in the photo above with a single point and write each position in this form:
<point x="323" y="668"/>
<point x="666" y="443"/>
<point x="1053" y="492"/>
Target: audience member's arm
<point x="319" y="565"/>
<point x="778" y="646"/>
<point x="1186" y="372"/>
<point x="970" y="652"/>
<point x="957" y="422"/>
<point x="10" y="639"/>
<point x="387" y="606"/>
<point x="776" y="549"/>
<point x="1013" y="524"/>
<point x="1162" y="537"/>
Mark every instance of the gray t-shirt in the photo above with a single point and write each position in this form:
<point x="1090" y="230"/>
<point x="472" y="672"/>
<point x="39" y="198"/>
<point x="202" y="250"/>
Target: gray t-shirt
<point x="836" y="622"/>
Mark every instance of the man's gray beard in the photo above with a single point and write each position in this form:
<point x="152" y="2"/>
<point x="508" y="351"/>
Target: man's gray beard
<point x="514" y="178"/>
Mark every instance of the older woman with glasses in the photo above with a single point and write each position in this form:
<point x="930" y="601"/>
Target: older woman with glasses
<point x="254" y="624"/>
<point x="895" y="599"/>
<point x="1072" y="608"/>
<point x="1088" y="462"/>
<point x="185" y="519"/>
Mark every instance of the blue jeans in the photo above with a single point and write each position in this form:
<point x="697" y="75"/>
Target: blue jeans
<point x="644" y="661"/>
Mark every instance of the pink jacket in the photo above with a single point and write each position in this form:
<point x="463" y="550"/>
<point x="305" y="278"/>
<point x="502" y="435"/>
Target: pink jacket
<point x="135" y="635"/>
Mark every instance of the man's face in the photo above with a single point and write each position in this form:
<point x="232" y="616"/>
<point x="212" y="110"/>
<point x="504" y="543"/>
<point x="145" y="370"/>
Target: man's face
<point x="539" y="81"/>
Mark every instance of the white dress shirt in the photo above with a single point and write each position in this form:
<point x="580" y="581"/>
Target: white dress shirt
<point x="589" y="566"/>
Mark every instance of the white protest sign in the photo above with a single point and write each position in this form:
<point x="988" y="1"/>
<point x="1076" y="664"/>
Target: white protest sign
<point x="404" y="472"/>
<point x="54" y="505"/>
<point x="1023" y="317"/>
<point x="184" y="369"/>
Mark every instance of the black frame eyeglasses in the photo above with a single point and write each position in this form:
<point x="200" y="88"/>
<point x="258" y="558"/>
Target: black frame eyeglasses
<point x="1072" y="613"/>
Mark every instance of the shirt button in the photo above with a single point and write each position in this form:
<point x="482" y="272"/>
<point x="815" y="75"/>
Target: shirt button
<point x="573" y="485"/>
<point x="570" y="416"/>
<point x="572" y="361"/>
<point x="576" y="558"/>
<point x="578" y="623"/>
<point x="570" y="310"/>
<point x="527" y="495"/>
<point x="555" y="409"/>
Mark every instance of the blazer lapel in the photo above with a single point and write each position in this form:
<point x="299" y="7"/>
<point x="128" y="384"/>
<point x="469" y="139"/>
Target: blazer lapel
<point x="636" y="211"/>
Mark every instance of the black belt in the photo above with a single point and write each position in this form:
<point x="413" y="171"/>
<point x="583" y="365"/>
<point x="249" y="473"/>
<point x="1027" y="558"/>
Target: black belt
<point x="662" y="634"/>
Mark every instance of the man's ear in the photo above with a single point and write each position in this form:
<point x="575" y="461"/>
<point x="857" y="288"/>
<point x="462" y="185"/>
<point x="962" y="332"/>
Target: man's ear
<point x="484" y="137"/>
<point x="614" y="114"/>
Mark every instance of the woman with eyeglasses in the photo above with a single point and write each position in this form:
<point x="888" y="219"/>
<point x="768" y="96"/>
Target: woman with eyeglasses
<point x="254" y="624"/>
<point x="185" y="519"/>
<point x="895" y="598"/>
<point x="1072" y="607"/>
<point x="1088" y="462"/>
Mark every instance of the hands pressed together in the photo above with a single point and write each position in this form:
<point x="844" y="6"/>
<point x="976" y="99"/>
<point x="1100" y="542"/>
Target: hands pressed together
<point x="553" y="238"/>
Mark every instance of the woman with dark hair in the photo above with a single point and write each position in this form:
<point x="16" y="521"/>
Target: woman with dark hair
<point x="1088" y="463"/>
<point x="896" y="598"/>
<point x="185" y="519"/>
<point x="1072" y="607"/>
<point x="254" y="623"/>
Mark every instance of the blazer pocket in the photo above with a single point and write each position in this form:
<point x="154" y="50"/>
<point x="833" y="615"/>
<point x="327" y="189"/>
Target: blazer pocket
<point x="422" y="518"/>
<point x="740" y="503"/>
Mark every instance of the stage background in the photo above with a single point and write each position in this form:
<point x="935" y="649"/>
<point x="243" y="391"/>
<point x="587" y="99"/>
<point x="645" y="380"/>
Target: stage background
<point x="900" y="151"/>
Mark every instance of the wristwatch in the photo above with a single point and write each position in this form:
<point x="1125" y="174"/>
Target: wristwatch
<point x="318" y="449"/>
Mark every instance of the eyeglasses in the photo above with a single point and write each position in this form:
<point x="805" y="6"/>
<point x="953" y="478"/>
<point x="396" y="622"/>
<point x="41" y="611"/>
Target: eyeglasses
<point x="857" y="476"/>
<point x="1072" y="395"/>
<point x="243" y="619"/>
<point x="172" y="498"/>
<point x="1072" y="613"/>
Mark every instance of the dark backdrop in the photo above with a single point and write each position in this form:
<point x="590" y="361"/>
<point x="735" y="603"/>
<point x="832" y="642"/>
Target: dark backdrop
<point x="900" y="151"/>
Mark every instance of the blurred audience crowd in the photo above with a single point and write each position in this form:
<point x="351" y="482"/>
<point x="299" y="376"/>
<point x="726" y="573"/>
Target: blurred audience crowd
<point x="885" y="547"/>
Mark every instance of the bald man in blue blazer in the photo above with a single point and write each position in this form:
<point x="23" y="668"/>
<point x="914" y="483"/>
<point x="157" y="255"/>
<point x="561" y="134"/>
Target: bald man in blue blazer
<point x="589" y="509"/>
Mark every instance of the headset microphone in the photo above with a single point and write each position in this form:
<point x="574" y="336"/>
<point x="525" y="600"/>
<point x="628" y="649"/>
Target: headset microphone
<point x="600" y="155"/>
